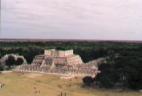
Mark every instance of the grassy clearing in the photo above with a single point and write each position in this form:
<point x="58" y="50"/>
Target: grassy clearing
<point x="31" y="84"/>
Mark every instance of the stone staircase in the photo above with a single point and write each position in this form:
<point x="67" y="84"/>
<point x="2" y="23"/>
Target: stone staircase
<point x="38" y="60"/>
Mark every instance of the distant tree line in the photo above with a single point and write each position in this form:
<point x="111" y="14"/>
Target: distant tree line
<point x="124" y="60"/>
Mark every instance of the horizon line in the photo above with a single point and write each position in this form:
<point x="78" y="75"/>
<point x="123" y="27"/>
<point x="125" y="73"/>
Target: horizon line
<point x="65" y="40"/>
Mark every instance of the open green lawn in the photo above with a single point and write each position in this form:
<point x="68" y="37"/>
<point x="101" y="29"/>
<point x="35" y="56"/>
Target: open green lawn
<point x="32" y="84"/>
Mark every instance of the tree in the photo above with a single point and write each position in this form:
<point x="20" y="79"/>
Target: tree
<point x="129" y="69"/>
<point x="1" y="67"/>
<point x="10" y="61"/>
<point x="108" y="77"/>
<point x="88" y="80"/>
<point x="19" y="61"/>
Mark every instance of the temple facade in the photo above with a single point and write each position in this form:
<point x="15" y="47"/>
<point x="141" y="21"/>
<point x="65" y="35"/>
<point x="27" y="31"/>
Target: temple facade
<point x="58" y="58"/>
<point x="60" y="62"/>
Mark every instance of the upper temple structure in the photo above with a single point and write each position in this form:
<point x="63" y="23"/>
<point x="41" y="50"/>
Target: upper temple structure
<point x="60" y="58"/>
<point x="60" y="62"/>
<point x="57" y="58"/>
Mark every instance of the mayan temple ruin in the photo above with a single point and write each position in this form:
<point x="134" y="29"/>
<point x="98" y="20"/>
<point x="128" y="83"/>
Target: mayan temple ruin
<point x="59" y="62"/>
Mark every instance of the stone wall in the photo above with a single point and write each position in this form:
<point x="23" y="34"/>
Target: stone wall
<point x="58" y="53"/>
<point x="74" y="60"/>
<point x="80" y="70"/>
<point x="48" y="52"/>
<point x="69" y="52"/>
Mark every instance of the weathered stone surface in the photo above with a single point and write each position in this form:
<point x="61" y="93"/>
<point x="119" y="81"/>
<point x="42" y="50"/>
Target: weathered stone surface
<point x="61" y="62"/>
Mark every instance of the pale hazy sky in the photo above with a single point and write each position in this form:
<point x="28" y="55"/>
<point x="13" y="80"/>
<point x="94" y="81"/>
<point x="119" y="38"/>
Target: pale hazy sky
<point x="72" y="19"/>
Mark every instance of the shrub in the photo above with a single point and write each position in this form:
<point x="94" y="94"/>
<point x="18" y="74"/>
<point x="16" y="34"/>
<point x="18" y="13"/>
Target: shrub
<point x="10" y="61"/>
<point x="88" y="80"/>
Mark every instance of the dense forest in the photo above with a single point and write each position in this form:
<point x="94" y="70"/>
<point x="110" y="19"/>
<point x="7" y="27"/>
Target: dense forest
<point x="124" y="60"/>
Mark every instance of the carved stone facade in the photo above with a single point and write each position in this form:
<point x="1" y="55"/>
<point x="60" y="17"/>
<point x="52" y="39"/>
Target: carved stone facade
<point x="60" y="62"/>
<point x="58" y="53"/>
<point x="58" y="58"/>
